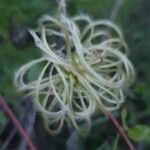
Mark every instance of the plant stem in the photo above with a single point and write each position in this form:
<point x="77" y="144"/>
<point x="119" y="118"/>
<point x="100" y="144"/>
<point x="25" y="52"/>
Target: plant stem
<point x="120" y="130"/>
<point x="62" y="6"/>
<point x="13" y="118"/>
<point x="115" y="10"/>
<point x="115" y="145"/>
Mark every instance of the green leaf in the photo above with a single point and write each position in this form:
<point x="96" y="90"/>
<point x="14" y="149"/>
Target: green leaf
<point x="139" y="133"/>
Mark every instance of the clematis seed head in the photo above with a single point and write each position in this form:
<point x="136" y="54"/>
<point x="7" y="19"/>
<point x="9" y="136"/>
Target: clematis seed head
<point x="85" y="69"/>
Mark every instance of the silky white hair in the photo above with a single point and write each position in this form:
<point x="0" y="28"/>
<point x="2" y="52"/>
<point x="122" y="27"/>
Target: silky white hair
<point x="85" y="69"/>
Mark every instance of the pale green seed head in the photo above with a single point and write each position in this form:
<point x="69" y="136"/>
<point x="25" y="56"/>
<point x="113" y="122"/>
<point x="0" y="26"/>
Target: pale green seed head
<point x="86" y="69"/>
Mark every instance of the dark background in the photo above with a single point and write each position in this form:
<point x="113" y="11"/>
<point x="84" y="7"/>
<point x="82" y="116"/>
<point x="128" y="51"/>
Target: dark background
<point x="16" y="48"/>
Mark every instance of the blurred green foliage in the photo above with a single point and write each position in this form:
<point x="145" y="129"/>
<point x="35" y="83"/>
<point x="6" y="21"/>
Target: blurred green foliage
<point x="138" y="132"/>
<point x="133" y="17"/>
<point x="22" y="13"/>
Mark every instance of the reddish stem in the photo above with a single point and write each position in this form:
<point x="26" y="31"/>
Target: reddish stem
<point x="120" y="130"/>
<point x="13" y="118"/>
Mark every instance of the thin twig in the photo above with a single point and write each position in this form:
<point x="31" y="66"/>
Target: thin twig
<point x="115" y="9"/>
<point x="28" y="119"/>
<point x="115" y="145"/>
<point x="22" y="132"/>
<point x="120" y="130"/>
<point x="62" y="6"/>
<point x="8" y="139"/>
